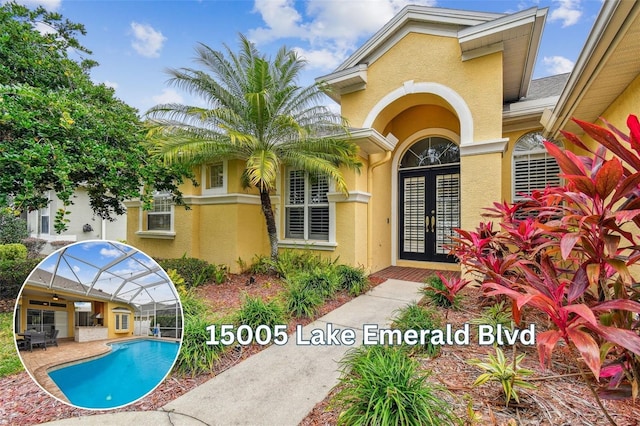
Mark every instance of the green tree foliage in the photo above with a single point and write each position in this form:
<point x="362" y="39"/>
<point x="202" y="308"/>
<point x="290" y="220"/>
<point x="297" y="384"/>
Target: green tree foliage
<point x="13" y="229"/>
<point x="59" y="130"/>
<point x="256" y="113"/>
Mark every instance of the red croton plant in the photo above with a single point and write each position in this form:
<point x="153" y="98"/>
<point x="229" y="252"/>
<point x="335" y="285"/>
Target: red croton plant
<point x="570" y="251"/>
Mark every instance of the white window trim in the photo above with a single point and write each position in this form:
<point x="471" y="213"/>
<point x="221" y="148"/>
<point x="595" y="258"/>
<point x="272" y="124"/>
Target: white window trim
<point x="46" y="210"/>
<point x="146" y="233"/>
<point x="205" y="182"/>
<point x="117" y="319"/>
<point x="297" y="243"/>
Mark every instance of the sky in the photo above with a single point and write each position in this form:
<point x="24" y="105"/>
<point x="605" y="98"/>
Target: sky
<point x="135" y="42"/>
<point x="82" y="262"/>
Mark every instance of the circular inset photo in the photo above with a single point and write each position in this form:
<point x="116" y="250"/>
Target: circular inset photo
<point x="98" y="324"/>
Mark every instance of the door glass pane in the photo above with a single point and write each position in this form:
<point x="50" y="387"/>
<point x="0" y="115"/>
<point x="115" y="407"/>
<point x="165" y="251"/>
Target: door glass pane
<point x="34" y="319"/>
<point x="414" y="206"/>
<point x="447" y="210"/>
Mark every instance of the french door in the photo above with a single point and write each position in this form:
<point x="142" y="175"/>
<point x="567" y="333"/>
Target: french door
<point x="429" y="211"/>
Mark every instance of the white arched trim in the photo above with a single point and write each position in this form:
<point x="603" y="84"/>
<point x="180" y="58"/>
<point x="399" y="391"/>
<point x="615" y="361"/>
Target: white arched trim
<point x="402" y="148"/>
<point x="451" y="96"/>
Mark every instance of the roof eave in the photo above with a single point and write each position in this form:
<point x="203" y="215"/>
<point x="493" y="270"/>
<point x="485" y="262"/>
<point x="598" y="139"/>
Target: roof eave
<point x="534" y="17"/>
<point x="599" y="44"/>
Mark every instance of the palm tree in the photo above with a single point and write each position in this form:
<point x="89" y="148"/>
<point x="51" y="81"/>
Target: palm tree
<point x="257" y="113"/>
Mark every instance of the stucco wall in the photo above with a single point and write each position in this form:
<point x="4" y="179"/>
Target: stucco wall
<point x="428" y="58"/>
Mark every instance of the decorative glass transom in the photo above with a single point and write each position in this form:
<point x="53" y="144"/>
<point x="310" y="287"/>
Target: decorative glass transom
<point x="431" y="151"/>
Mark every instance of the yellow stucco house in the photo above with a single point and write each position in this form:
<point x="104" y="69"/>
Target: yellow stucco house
<point x="448" y="120"/>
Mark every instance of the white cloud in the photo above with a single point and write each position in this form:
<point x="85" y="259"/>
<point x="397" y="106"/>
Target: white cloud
<point x="110" y="252"/>
<point x="168" y="96"/>
<point x="147" y="41"/>
<point x="50" y="5"/>
<point x="76" y="268"/>
<point x="557" y="64"/>
<point x="568" y="12"/>
<point x="321" y="58"/>
<point x="111" y="84"/>
<point x="332" y="28"/>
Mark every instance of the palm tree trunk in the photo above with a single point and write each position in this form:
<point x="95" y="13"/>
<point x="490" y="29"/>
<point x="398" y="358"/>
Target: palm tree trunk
<point x="270" y="219"/>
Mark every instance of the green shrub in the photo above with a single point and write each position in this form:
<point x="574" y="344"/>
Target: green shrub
<point x="34" y="246"/>
<point x="296" y="261"/>
<point x="13" y="251"/>
<point x="221" y="274"/>
<point x="194" y="271"/>
<point x="196" y="357"/>
<point x="302" y="301"/>
<point x="13" y="229"/>
<point x="13" y="274"/>
<point x="496" y="314"/>
<point x="383" y="386"/>
<point x="255" y="312"/>
<point x="192" y="304"/>
<point x="435" y="283"/>
<point x="325" y="281"/>
<point x="415" y="317"/>
<point x="508" y="372"/>
<point x="261" y="265"/>
<point x="353" y="280"/>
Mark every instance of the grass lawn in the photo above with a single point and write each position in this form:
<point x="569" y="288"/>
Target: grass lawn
<point x="9" y="360"/>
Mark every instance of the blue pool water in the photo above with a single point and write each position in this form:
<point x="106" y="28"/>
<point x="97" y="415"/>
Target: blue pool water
<point x="128" y="372"/>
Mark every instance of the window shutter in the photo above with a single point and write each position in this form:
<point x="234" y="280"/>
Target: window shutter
<point x="296" y="187"/>
<point x="319" y="223"/>
<point x="534" y="171"/>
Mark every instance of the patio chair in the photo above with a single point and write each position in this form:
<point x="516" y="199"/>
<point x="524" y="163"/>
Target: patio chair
<point x="37" y="338"/>
<point x="52" y="339"/>
<point x="22" y="343"/>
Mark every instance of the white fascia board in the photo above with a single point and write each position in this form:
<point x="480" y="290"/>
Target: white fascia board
<point x="498" y="25"/>
<point x="536" y="106"/>
<point x="345" y="81"/>
<point x="579" y="81"/>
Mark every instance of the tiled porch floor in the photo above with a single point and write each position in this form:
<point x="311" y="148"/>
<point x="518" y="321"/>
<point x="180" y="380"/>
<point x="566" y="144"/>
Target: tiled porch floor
<point x="405" y="273"/>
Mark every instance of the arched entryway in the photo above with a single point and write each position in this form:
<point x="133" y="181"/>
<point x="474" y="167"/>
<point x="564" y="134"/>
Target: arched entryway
<point x="428" y="199"/>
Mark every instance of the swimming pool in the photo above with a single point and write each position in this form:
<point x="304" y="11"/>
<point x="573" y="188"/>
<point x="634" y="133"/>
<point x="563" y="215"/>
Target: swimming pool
<point x="131" y="370"/>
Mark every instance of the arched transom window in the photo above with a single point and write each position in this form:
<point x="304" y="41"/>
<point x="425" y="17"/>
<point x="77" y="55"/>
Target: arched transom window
<point x="431" y="151"/>
<point x="533" y="167"/>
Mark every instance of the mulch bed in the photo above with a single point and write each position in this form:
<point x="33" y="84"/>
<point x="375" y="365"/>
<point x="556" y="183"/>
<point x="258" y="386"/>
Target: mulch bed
<point x="23" y="402"/>
<point x="561" y="397"/>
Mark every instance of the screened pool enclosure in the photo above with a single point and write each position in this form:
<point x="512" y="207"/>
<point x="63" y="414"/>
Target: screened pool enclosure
<point x="100" y="284"/>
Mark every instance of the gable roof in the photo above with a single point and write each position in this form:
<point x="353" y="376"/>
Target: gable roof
<point x="608" y="63"/>
<point x="517" y="35"/>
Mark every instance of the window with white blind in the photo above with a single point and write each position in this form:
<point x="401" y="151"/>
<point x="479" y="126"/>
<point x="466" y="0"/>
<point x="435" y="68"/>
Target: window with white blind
<point x="159" y="217"/>
<point x="306" y="206"/>
<point x="533" y="167"/>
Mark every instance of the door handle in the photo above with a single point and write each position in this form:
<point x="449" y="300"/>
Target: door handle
<point x="430" y="222"/>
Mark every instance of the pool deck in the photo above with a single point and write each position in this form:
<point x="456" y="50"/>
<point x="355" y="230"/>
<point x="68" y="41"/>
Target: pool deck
<point x="68" y="351"/>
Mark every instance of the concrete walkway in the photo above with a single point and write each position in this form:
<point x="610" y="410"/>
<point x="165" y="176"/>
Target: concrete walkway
<point x="281" y="384"/>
